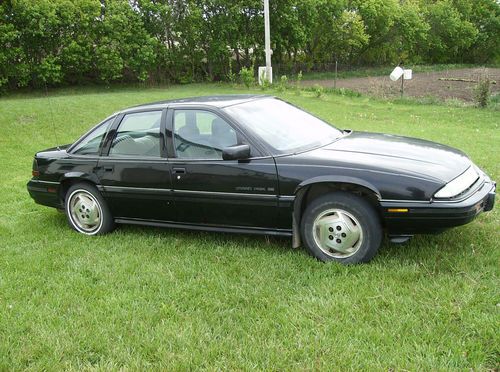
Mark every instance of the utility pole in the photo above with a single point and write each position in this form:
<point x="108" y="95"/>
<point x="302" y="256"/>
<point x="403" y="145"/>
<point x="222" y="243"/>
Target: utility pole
<point x="267" y="35"/>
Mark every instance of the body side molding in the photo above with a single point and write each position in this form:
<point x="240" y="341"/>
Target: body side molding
<point x="227" y="229"/>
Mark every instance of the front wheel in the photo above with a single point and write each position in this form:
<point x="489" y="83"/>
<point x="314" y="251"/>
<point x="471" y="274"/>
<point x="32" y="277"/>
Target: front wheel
<point x="86" y="210"/>
<point x="342" y="227"/>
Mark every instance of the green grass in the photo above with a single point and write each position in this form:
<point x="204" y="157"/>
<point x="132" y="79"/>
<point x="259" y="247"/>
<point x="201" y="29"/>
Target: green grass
<point x="144" y="298"/>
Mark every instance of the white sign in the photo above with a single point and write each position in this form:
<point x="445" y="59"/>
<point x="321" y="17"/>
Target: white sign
<point x="407" y="74"/>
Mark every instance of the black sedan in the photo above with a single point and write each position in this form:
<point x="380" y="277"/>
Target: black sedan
<point x="256" y="164"/>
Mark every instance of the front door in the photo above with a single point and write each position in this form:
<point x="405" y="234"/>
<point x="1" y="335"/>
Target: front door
<point x="212" y="191"/>
<point x="135" y="174"/>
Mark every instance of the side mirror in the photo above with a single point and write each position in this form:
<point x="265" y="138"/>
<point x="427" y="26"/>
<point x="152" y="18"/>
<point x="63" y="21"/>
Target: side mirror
<point x="238" y="152"/>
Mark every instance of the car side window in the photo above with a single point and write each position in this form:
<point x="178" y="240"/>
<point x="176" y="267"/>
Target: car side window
<point x="138" y="135"/>
<point x="200" y="134"/>
<point x="92" y="143"/>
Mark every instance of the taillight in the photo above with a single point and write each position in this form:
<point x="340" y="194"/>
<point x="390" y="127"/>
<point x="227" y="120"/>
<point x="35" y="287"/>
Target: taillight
<point x="35" y="172"/>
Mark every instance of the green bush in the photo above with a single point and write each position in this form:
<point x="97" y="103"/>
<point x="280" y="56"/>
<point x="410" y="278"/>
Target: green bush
<point x="283" y="83"/>
<point x="247" y="77"/>
<point x="482" y="93"/>
<point x="318" y="90"/>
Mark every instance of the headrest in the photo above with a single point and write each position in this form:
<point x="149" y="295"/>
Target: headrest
<point x="219" y="127"/>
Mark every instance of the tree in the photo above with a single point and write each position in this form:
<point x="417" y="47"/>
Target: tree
<point x="485" y="16"/>
<point x="123" y="47"/>
<point x="450" y="34"/>
<point x="380" y="17"/>
<point x="52" y="42"/>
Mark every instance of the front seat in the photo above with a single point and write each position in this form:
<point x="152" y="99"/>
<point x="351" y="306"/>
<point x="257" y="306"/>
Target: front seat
<point x="189" y="132"/>
<point x="222" y="134"/>
<point x="188" y="138"/>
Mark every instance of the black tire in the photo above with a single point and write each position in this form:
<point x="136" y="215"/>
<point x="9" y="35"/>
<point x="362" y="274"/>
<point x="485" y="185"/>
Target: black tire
<point x="355" y="206"/>
<point x="84" y="191"/>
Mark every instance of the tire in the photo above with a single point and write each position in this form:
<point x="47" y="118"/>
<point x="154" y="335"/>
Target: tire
<point x="87" y="211"/>
<point x="341" y="227"/>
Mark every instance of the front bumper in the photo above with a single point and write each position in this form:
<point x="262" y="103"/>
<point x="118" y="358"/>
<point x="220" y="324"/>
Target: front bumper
<point x="45" y="193"/>
<point x="436" y="216"/>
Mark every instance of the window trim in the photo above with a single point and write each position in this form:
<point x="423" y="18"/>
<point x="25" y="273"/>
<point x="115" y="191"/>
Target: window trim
<point x="106" y="148"/>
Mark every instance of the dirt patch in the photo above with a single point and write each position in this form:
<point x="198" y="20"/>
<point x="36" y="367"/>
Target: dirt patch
<point x="423" y="84"/>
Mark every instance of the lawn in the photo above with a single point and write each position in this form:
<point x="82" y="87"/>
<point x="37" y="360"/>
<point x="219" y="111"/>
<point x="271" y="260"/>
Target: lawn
<point x="158" y="298"/>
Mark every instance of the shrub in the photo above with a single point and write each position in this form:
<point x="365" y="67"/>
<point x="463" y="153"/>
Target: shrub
<point x="483" y="92"/>
<point x="318" y="90"/>
<point x="247" y="77"/>
<point x="283" y="83"/>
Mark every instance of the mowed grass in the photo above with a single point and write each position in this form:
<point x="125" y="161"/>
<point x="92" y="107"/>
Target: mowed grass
<point x="143" y="298"/>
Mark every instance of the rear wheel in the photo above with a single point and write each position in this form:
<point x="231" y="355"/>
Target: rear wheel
<point x="341" y="227"/>
<point x="86" y="210"/>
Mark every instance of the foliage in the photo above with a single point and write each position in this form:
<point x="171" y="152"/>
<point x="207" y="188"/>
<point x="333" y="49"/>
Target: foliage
<point x="162" y="299"/>
<point x="247" y="76"/>
<point x="450" y="34"/>
<point x="318" y="90"/>
<point x="54" y="42"/>
<point x="482" y="93"/>
<point x="283" y="83"/>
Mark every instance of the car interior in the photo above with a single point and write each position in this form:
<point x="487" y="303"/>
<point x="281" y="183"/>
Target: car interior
<point x="198" y="135"/>
<point x="201" y="135"/>
<point x="143" y="142"/>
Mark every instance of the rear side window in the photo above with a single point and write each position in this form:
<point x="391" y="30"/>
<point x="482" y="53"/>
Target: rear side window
<point x="92" y="142"/>
<point x="138" y="135"/>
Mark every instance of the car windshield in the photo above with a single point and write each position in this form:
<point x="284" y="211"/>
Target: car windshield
<point x="283" y="126"/>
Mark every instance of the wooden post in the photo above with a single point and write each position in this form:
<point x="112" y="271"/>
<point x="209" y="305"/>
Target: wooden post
<point x="402" y="84"/>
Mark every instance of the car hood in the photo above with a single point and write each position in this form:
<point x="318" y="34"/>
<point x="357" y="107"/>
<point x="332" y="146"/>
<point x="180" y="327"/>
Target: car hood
<point x="396" y="154"/>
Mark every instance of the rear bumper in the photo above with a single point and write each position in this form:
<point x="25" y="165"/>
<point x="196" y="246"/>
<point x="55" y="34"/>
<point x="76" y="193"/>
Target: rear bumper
<point x="45" y="193"/>
<point x="436" y="216"/>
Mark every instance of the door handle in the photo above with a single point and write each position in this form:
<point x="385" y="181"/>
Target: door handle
<point x="108" y="168"/>
<point x="179" y="170"/>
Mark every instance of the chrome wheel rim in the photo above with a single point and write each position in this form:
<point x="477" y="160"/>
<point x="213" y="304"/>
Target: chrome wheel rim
<point x="85" y="212"/>
<point x="337" y="233"/>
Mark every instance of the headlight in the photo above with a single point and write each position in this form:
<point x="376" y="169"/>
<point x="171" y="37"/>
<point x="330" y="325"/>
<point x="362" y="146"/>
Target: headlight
<point x="459" y="184"/>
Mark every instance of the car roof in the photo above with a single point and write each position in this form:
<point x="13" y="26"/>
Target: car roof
<point x="219" y="101"/>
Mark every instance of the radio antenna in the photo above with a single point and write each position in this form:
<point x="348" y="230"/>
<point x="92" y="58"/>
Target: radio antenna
<point x="51" y="114"/>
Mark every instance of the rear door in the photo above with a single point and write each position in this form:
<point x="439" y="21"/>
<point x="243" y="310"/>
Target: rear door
<point x="134" y="171"/>
<point x="212" y="191"/>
